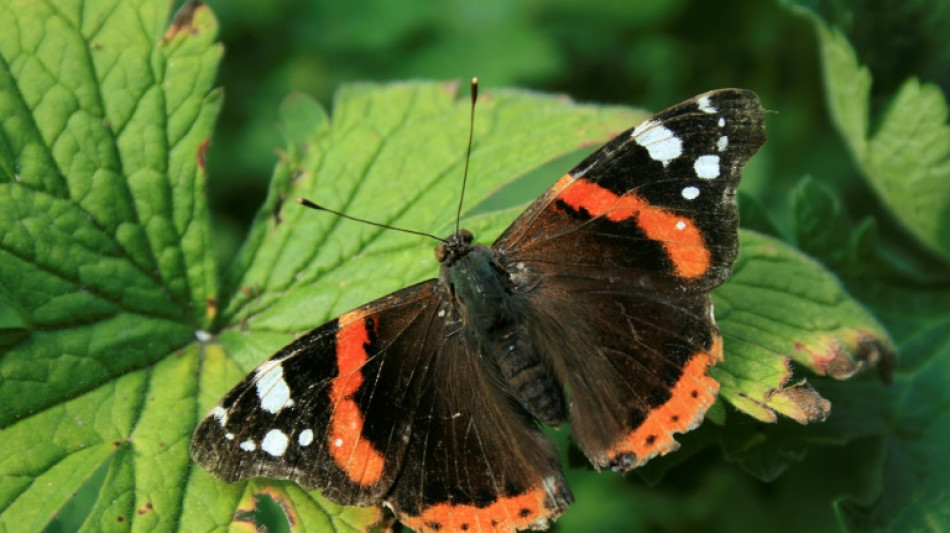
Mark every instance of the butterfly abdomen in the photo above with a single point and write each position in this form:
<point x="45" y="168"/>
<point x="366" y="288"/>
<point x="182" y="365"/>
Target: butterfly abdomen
<point x="531" y="381"/>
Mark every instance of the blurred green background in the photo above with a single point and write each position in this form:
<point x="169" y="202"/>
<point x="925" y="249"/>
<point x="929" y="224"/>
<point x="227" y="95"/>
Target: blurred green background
<point x="646" y="53"/>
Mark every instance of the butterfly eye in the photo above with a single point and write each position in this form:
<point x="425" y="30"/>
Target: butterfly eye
<point x="441" y="252"/>
<point x="466" y="236"/>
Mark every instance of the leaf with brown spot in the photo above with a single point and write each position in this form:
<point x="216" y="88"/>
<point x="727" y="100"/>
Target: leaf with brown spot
<point x="781" y="307"/>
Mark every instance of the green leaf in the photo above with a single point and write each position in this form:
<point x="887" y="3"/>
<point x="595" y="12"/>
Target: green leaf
<point x="104" y="253"/>
<point x="906" y="155"/>
<point x="780" y="306"/>
<point x="914" y="495"/>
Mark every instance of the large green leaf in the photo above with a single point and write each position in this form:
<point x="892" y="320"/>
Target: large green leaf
<point x="104" y="253"/>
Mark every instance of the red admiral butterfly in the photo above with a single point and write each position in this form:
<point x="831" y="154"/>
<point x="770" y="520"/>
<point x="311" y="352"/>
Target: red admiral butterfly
<point x="429" y="400"/>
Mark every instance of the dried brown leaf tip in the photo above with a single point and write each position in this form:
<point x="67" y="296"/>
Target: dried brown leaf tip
<point x="800" y="402"/>
<point x="853" y="353"/>
<point x="183" y="20"/>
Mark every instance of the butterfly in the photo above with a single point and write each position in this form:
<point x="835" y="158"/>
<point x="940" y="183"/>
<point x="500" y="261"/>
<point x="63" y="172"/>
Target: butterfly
<point x="593" y="307"/>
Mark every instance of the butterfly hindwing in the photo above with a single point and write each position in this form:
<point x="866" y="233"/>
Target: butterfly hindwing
<point x="476" y="461"/>
<point x="635" y="364"/>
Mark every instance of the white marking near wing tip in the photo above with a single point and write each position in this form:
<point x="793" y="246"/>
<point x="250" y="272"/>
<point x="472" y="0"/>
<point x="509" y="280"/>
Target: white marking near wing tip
<point x="550" y="483"/>
<point x="707" y="166"/>
<point x="722" y="121"/>
<point x="275" y="442"/>
<point x="338" y="443"/>
<point x="272" y="389"/>
<point x="722" y="143"/>
<point x="221" y="414"/>
<point x="690" y="193"/>
<point x="660" y="141"/>
<point x="305" y="437"/>
<point x="680" y="225"/>
<point x="248" y="446"/>
<point x="229" y="436"/>
<point x="705" y="105"/>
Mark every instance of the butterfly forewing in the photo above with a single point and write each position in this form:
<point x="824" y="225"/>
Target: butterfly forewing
<point x="654" y="207"/>
<point x="334" y="408"/>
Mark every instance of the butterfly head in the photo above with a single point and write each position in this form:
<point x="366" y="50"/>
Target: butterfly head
<point x="457" y="246"/>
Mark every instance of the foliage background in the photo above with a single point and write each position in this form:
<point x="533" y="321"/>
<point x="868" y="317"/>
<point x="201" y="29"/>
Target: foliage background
<point x="810" y="185"/>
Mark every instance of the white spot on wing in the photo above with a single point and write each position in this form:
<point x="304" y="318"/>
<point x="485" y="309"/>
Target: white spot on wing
<point x="722" y="121"/>
<point x="305" y="437"/>
<point x="248" y="446"/>
<point x="722" y="143"/>
<point x="229" y="436"/>
<point x="707" y="166"/>
<point x="705" y="105"/>
<point x="272" y="389"/>
<point x="221" y="414"/>
<point x="338" y="443"/>
<point x="680" y="225"/>
<point x="690" y="193"/>
<point x="275" y="442"/>
<point x="660" y="141"/>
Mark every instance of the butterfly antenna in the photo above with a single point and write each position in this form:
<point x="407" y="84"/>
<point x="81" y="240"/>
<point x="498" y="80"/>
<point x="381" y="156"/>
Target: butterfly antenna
<point x="317" y="207"/>
<point x="468" y="152"/>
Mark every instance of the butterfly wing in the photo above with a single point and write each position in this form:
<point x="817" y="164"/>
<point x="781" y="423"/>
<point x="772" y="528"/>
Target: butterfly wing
<point x="476" y="460"/>
<point x="331" y="409"/>
<point x="387" y="404"/>
<point x="653" y="208"/>
<point x="635" y="364"/>
<point x="617" y="260"/>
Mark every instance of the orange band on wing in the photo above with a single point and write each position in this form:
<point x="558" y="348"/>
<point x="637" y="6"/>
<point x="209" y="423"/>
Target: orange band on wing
<point x="679" y="236"/>
<point x="506" y="514"/>
<point x="684" y="410"/>
<point x="355" y="455"/>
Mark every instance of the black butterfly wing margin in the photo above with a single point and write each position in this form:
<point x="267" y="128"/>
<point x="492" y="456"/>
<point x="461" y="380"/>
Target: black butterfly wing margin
<point x="617" y="260"/>
<point x="385" y="404"/>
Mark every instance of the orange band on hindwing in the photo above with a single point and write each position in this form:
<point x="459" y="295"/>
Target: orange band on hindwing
<point x="507" y="514"/>
<point x="690" y="398"/>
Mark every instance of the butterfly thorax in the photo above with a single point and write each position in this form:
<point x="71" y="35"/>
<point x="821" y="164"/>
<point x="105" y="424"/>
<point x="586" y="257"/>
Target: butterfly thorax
<point x="493" y="315"/>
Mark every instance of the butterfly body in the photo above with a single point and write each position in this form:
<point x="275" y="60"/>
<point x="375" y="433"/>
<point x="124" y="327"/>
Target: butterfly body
<point x="487" y="304"/>
<point x="429" y="400"/>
